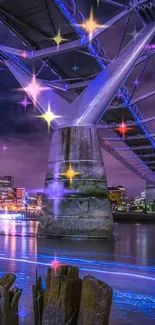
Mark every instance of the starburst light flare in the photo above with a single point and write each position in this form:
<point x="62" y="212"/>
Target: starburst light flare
<point x="90" y="25"/>
<point x="34" y="88"/>
<point x="4" y="148"/>
<point x="70" y="174"/>
<point x="25" y="103"/>
<point x="49" y="116"/>
<point x="58" y="39"/>
<point x="55" y="264"/>
<point x="123" y="128"/>
<point x="24" y="55"/>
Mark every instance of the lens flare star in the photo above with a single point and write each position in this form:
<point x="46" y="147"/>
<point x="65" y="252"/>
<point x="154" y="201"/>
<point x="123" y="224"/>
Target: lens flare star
<point x="49" y="116"/>
<point x="55" y="264"/>
<point x="58" y="39"/>
<point x="70" y="174"/>
<point x="4" y="148"/>
<point x="25" y="103"/>
<point x="91" y="25"/>
<point x="123" y="128"/>
<point x="136" y="82"/>
<point x="24" y="55"/>
<point x="75" y="68"/>
<point x="34" y="89"/>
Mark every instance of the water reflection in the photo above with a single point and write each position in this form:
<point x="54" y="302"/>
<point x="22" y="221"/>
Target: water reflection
<point x="131" y="257"/>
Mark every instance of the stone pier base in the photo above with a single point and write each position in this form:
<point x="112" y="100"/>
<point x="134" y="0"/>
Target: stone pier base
<point x="77" y="206"/>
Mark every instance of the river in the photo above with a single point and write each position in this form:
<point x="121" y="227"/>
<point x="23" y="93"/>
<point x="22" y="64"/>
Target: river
<point x="127" y="264"/>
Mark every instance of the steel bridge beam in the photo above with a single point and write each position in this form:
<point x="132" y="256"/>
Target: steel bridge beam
<point x="144" y="57"/>
<point x="135" y="148"/>
<point x="114" y="126"/>
<point x="69" y="46"/>
<point x="116" y="155"/>
<point x="94" y="100"/>
<point x="147" y="155"/>
<point x="115" y="3"/>
<point x="134" y="137"/>
<point x="47" y="96"/>
<point x="50" y="51"/>
<point x="144" y="168"/>
<point x="67" y="86"/>
<point x="133" y="101"/>
<point x="9" y="19"/>
<point x="146" y="162"/>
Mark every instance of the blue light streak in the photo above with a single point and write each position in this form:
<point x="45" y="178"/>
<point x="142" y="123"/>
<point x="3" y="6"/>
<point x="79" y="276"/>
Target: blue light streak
<point x="133" y="275"/>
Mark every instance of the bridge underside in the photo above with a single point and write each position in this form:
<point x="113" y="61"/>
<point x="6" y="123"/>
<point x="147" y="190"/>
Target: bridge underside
<point x="77" y="205"/>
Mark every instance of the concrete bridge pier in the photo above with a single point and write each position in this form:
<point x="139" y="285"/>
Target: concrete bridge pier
<point x="79" y="206"/>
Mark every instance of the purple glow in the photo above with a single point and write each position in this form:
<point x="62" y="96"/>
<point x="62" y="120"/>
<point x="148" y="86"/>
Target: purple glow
<point x="118" y="96"/>
<point x="152" y="46"/>
<point x="56" y="191"/>
<point x="4" y="148"/>
<point x="24" y="54"/>
<point x="25" y="103"/>
<point x="136" y="82"/>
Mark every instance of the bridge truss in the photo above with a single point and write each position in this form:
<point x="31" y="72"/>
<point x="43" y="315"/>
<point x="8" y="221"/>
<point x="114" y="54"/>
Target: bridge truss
<point x="37" y="22"/>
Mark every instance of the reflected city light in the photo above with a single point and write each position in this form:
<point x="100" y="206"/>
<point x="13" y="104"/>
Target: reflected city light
<point x="10" y="216"/>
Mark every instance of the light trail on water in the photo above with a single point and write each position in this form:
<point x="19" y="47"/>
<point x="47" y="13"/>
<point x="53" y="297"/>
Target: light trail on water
<point x="83" y="269"/>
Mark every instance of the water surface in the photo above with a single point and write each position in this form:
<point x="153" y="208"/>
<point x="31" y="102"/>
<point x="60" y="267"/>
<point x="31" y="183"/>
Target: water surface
<point x="126" y="264"/>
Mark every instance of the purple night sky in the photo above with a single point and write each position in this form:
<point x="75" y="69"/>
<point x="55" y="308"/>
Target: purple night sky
<point x="27" y="137"/>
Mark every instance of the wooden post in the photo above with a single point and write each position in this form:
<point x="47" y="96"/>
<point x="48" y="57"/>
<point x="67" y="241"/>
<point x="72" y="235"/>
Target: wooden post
<point x="96" y="300"/>
<point x="9" y="300"/>
<point x="68" y="300"/>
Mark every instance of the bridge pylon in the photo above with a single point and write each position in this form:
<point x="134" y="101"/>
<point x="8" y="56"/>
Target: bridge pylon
<point x="75" y="200"/>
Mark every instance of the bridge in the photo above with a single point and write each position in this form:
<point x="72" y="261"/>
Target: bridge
<point x="88" y="107"/>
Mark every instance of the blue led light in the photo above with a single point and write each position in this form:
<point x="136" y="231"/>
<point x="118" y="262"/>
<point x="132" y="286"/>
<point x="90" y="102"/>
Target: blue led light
<point x="18" y="61"/>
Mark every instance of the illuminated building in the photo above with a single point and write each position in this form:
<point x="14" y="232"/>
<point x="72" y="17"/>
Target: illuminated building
<point x="20" y="193"/>
<point x="20" y="196"/>
<point x="114" y="194"/>
<point x="122" y="190"/>
<point x="115" y="197"/>
<point x="118" y="197"/>
<point x="39" y="199"/>
<point x="143" y="196"/>
<point x="6" y="182"/>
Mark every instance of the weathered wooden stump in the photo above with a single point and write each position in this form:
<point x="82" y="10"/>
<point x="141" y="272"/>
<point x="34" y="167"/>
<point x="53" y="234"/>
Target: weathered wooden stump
<point x="59" y="303"/>
<point x="9" y="300"/>
<point x="68" y="300"/>
<point x="96" y="300"/>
